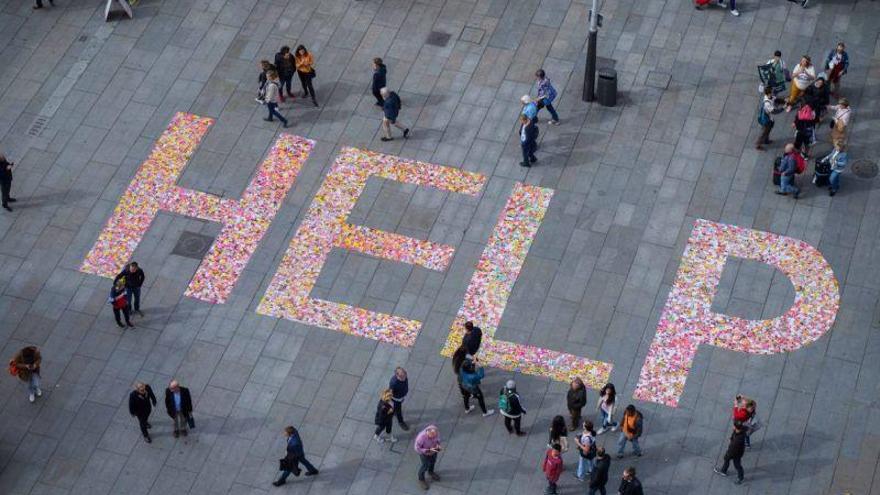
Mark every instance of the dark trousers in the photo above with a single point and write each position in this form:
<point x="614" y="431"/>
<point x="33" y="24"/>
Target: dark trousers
<point x="427" y="465"/>
<point x="764" y="137"/>
<point x="378" y="96"/>
<point x="476" y="393"/>
<point x="512" y="421"/>
<point x="296" y="461"/>
<point x="306" y="81"/>
<point x="551" y="488"/>
<point x="549" y="106"/>
<point x="599" y="489"/>
<point x="126" y="311"/>
<point x="5" y="189"/>
<point x="286" y="82"/>
<point x="385" y="425"/>
<point x="143" y="422"/>
<point x="528" y="151"/>
<point x="740" y="474"/>
<point x="273" y="110"/>
<point x="575" y="418"/>
<point x="133" y="294"/>
<point x="398" y="411"/>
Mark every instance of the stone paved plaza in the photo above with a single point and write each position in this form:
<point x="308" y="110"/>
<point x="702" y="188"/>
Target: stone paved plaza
<point x="83" y="101"/>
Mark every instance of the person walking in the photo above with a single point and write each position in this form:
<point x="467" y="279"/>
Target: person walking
<point x="558" y="433"/>
<point x="391" y="108"/>
<point x="273" y="93"/>
<point x="470" y="377"/>
<point x="631" y="430"/>
<point x="379" y="80"/>
<point x="399" y="386"/>
<point x="586" y="444"/>
<point x="802" y="76"/>
<point x="528" y="140"/>
<point x="787" y="170"/>
<point x="384" y="417"/>
<point x="552" y="467"/>
<point x="178" y="404"/>
<point x="284" y="66"/>
<point x="510" y="406"/>
<point x="629" y="484"/>
<point x="599" y="475"/>
<point x="576" y="399"/>
<point x="428" y="445"/>
<point x="765" y="120"/>
<point x="119" y="302"/>
<point x="263" y="79"/>
<point x="25" y="364"/>
<point x="306" y="71"/>
<point x="735" y="451"/>
<point x="605" y="406"/>
<point x="837" y="159"/>
<point x="140" y="404"/>
<point x="840" y="121"/>
<point x="6" y="182"/>
<point x="836" y="63"/>
<point x="546" y="95"/>
<point x="472" y="338"/>
<point x="733" y="10"/>
<point x="133" y="277"/>
<point x="294" y="456"/>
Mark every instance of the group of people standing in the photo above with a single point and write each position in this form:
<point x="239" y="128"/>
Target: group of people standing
<point x="275" y="79"/>
<point x="809" y="97"/>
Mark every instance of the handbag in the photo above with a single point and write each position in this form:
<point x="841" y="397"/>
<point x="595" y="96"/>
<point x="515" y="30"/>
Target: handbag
<point x="313" y="73"/>
<point x="13" y="369"/>
<point x="283" y="464"/>
<point x="191" y="421"/>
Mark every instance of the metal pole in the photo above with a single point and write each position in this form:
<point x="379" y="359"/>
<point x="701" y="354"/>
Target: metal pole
<point x="590" y="69"/>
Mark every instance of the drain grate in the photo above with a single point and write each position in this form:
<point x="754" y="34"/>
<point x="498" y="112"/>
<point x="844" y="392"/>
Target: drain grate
<point x="37" y="126"/>
<point x="864" y="169"/>
<point x="437" y="38"/>
<point x="192" y="245"/>
<point x="472" y="35"/>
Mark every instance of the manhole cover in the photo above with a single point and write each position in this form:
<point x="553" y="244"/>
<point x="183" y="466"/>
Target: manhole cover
<point x="436" y="38"/>
<point x="192" y="245"/>
<point x="864" y="168"/>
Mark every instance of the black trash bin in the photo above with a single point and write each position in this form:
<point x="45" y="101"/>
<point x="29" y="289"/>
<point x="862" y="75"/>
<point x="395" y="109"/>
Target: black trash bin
<point x="606" y="89"/>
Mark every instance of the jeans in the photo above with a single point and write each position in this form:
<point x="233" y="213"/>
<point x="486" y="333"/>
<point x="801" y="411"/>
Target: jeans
<point x="286" y="81"/>
<point x="427" y="465"/>
<point x="398" y="411"/>
<point x="273" y="110"/>
<point x="34" y="383"/>
<point x="133" y="294"/>
<point x="515" y="422"/>
<point x="621" y="443"/>
<point x="553" y="114"/>
<point x="606" y="419"/>
<point x="834" y="180"/>
<point x="528" y="151"/>
<point x="585" y="467"/>
<point x="600" y="489"/>
<point x="740" y="474"/>
<point x="787" y="185"/>
<point x="475" y="393"/>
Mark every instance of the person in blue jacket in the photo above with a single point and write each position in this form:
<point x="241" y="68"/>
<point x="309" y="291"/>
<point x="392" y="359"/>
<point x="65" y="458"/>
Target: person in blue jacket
<point x="788" y="169"/>
<point x="391" y="109"/>
<point x="528" y="140"/>
<point x="470" y="377"/>
<point x="837" y="159"/>
<point x="295" y="456"/>
<point x="399" y="386"/>
<point x="546" y="95"/>
<point x="379" y="81"/>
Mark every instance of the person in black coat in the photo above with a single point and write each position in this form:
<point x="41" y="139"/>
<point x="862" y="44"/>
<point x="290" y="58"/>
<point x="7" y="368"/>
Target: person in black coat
<point x="818" y="96"/>
<point x="629" y="484"/>
<point x="391" y="109"/>
<point x="134" y="279"/>
<point x="399" y="386"/>
<point x="384" y="417"/>
<point x="285" y="65"/>
<point x="528" y="140"/>
<point x="140" y="404"/>
<point x="599" y="474"/>
<point x="472" y="338"/>
<point x="178" y="404"/>
<point x="6" y="182"/>
<point x="295" y="455"/>
<point x="735" y="451"/>
<point x="576" y="399"/>
<point x="379" y="72"/>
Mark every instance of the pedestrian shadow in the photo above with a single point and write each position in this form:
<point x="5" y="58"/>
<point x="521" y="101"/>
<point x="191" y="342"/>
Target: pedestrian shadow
<point x="50" y="199"/>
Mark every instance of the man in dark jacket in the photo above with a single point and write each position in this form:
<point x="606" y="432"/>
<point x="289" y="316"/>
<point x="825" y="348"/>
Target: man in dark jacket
<point x="818" y="96"/>
<point x="528" y="140"/>
<point x="629" y="484"/>
<point x="576" y="399"/>
<point x="285" y="65"/>
<point x="788" y="169"/>
<point x="391" y="107"/>
<point x="6" y="182"/>
<point x="178" y="404"/>
<point x="134" y="279"/>
<point x="379" y="72"/>
<point x="735" y="451"/>
<point x="472" y="338"/>
<point x="399" y="386"/>
<point x="599" y="475"/>
<point x="295" y="455"/>
<point x="139" y="406"/>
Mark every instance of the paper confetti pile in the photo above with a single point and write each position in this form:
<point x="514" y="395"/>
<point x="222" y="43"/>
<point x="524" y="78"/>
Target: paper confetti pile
<point x="688" y="320"/>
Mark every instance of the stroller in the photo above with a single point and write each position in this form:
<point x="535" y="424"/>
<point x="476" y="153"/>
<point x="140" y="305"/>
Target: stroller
<point x="822" y="172"/>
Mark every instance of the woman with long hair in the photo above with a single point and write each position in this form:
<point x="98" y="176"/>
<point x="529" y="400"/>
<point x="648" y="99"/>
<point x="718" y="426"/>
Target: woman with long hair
<point x="607" y="400"/>
<point x="558" y="433"/>
<point x="305" y="71"/>
<point x="384" y="417"/>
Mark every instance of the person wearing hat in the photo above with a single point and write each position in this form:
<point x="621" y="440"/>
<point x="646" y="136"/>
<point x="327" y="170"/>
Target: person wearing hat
<point x="511" y="408"/>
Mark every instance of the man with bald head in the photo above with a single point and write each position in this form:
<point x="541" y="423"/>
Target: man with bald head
<point x="178" y="403"/>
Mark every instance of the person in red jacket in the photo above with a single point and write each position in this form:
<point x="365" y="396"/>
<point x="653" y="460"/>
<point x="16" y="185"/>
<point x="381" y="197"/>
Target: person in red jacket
<point x="552" y="467"/>
<point x="119" y="302"/>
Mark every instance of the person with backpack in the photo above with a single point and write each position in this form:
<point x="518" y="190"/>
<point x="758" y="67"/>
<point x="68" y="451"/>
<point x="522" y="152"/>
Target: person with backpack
<point x="837" y="161"/>
<point x="837" y="63"/>
<point x="391" y="107"/>
<point x="546" y="95"/>
<point x="552" y="467"/>
<point x="599" y="475"/>
<point x="384" y="419"/>
<point x="399" y="386"/>
<point x="805" y="128"/>
<point x="788" y="167"/>
<point x="735" y="451"/>
<point x="511" y="408"/>
<point x="25" y="365"/>
<point x="605" y="406"/>
<point x="767" y="108"/>
<point x="471" y="374"/>
<point x="576" y="399"/>
<point x="119" y="302"/>
<point x="273" y="93"/>
<point x="586" y="444"/>
<point x="285" y="65"/>
<point x="630" y="431"/>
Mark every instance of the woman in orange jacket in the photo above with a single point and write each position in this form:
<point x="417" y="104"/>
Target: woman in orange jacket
<point x="305" y="71"/>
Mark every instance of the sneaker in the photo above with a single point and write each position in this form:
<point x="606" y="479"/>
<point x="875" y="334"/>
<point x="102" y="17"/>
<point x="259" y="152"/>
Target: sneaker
<point x="721" y="3"/>
<point x="614" y="428"/>
<point x="781" y="193"/>
<point x="269" y="120"/>
<point x="39" y="392"/>
<point x="718" y="471"/>
<point x="488" y="413"/>
<point x="638" y="454"/>
<point x="797" y="194"/>
<point x="434" y="476"/>
<point x="140" y="313"/>
<point x="378" y="439"/>
<point x="405" y="132"/>
<point x="554" y="122"/>
<point x="392" y="439"/>
<point x="312" y="473"/>
<point x="735" y="13"/>
<point x="831" y="193"/>
<point x="469" y="409"/>
<point x="385" y="139"/>
<point x="277" y="483"/>
<point x="424" y="484"/>
<point x="32" y="397"/>
<point x="520" y="433"/>
<point x="601" y="431"/>
<point x="525" y="164"/>
<point x="148" y="439"/>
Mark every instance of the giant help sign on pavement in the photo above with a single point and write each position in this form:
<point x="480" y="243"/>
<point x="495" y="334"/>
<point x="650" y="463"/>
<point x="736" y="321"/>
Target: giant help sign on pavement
<point x="687" y="320"/>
